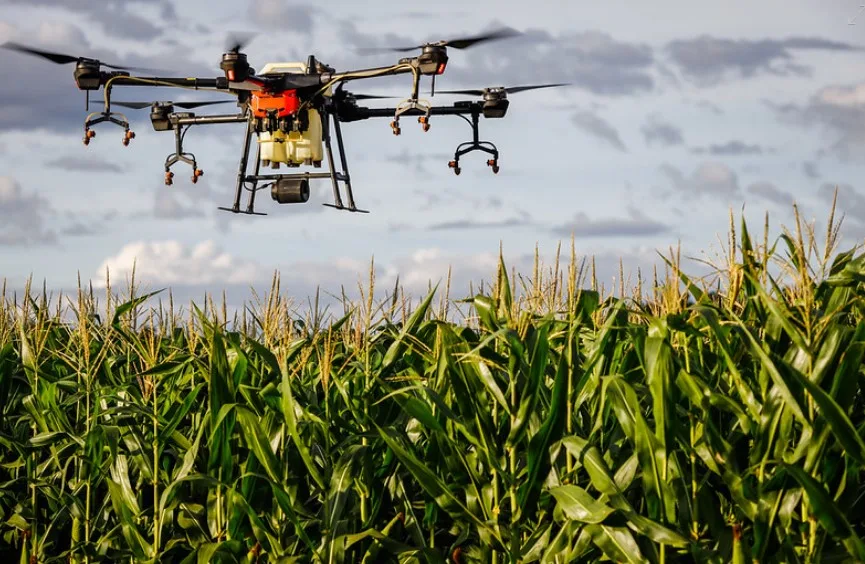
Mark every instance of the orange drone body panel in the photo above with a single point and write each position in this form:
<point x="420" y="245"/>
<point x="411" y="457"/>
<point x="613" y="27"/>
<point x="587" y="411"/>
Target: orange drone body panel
<point x="286" y="103"/>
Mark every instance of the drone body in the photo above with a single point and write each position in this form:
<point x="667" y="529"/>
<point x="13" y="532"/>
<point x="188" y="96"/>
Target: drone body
<point x="290" y="109"/>
<point x="287" y="133"/>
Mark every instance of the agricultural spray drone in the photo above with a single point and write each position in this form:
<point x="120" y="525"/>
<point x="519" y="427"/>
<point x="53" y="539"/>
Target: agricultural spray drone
<point x="290" y="108"/>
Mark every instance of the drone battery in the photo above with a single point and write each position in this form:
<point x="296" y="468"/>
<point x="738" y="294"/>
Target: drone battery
<point x="285" y="104"/>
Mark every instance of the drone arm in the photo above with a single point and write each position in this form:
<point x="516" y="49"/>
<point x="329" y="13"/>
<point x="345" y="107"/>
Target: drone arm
<point x="402" y="68"/>
<point x="220" y="83"/>
<point x="358" y="113"/>
<point x="205" y="120"/>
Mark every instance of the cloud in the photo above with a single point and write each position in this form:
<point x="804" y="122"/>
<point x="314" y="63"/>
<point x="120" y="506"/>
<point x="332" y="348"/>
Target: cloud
<point x="810" y="170"/>
<point x="79" y="229"/>
<point x="166" y="205"/>
<point x="170" y="262"/>
<point x="183" y="201"/>
<point x="591" y="60"/>
<point x="43" y="94"/>
<point x="712" y="179"/>
<point x="418" y="160"/>
<point x="23" y="216"/>
<point x="448" y="198"/>
<point x="597" y="126"/>
<point x="769" y="191"/>
<point x="474" y="224"/>
<point x="730" y="148"/>
<point x="707" y="60"/>
<point x="838" y="110"/>
<point x="850" y="200"/>
<point x="87" y="163"/>
<point x="635" y="225"/>
<point x="662" y="133"/>
<point x="115" y="16"/>
<point x="709" y="107"/>
<point x="279" y="14"/>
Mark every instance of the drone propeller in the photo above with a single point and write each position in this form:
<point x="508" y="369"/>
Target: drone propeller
<point x="511" y="90"/>
<point x="369" y="96"/>
<point x="461" y="43"/>
<point x="237" y="41"/>
<point x="62" y="58"/>
<point x="186" y="105"/>
<point x="339" y="92"/>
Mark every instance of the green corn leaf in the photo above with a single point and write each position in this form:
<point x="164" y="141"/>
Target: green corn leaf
<point x="288" y="412"/>
<point x="398" y="347"/>
<point x="529" y="395"/>
<point x="578" y="505"/>
<point x="828" y="513"/>
<point x="783" y="386"/>
<point x="617" y="543"/>
<point x="659" y="373"/>
<point x="539" y="463"/>
<point x="258" y="444"/>
<point x="429" y="481"/>
<point x="841" y="426"/>
<point x="126" y="307"/>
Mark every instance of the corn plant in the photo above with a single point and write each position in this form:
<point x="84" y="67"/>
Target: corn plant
<point x="694" y="420"/>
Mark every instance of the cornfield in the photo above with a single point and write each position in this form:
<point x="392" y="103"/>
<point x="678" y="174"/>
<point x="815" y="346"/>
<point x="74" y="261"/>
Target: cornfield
<point x="682" y="420"/>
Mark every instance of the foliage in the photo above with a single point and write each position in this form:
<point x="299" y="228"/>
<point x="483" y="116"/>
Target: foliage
<point x="562" y="424"/>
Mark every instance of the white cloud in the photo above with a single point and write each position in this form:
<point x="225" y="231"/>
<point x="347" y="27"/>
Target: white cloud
<point x="712" y="178"/>
<point x="847" y="96"/>
<point x="172" y="262"/>
<point x="23" y="216"/>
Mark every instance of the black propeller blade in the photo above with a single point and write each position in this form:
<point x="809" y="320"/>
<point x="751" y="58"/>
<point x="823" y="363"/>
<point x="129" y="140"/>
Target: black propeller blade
<point x="339" y="92"/>
<point x="64" y="59"/>
<point x="236" y="41"/>
<point x="187" y="105"/>
<point x="369" y="96"/>
<point x="461" y="43"/>
<point x="511" y="90"/>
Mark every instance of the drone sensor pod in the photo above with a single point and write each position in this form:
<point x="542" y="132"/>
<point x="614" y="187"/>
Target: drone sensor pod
<point x="290" y="190"/>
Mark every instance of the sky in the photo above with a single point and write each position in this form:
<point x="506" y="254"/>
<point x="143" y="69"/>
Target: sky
<point x="676" y="113"/>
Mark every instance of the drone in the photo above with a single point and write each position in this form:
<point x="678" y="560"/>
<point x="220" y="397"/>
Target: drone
<point x="292" y="109"/>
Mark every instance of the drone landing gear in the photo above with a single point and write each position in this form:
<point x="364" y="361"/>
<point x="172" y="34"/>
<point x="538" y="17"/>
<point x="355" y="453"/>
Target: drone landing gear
<point x="89" y="134"/>
<point x="250" y="182"/>
<point x="475" y="145"/>
<point x="334" y="176"/>
<point x="242" y="178"/>
<point x="180" y="156"/>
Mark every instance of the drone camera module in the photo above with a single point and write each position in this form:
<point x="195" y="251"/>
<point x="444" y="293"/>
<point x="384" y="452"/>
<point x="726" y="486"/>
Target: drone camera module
<point x="290" y="191"/>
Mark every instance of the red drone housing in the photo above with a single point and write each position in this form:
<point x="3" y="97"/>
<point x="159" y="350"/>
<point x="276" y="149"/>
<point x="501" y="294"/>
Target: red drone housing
<point x="286" y="103"/>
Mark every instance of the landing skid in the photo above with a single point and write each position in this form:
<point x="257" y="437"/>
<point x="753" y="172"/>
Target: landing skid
<point x="354" y="210"/>
<point x="251" y="182"/>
